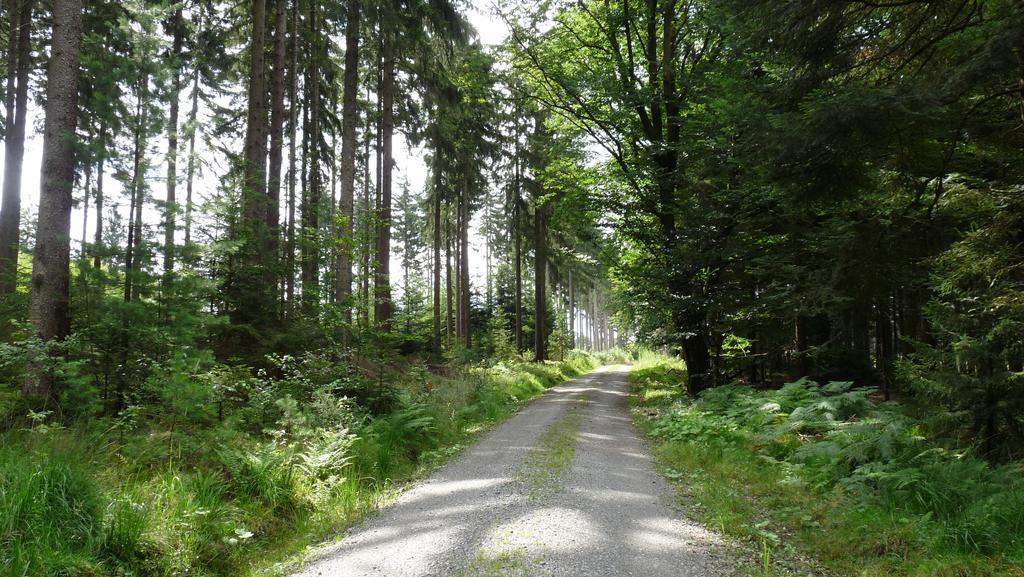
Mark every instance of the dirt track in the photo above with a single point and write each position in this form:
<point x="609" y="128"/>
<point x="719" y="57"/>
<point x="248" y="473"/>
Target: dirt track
<point x="564" y="488"/>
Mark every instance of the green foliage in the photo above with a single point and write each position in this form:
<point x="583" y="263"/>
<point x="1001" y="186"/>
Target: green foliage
<point x="705" y="429"/>
<point x="51" y="509"/>
<point x="834" y="452"/>
<point x="216" y="467"/>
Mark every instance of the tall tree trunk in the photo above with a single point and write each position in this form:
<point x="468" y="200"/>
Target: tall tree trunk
<point x="366" y="229"/>
<point x="137" y="190"/>
<point x="572" y="311"/>
<point x="448" y="278"/>
<point x="349" y="118"/>
<point x="332" y="216"/>
<point x="540" y="284"/>
<point x="311" y="202"/>
<point x="437" y="252"/>
<point x="18" y="66"/>
<point x="382" y="301"/>
<point x="97" y="260"/>
<point x="488" y="252"/>
<point x="86" y="188"/>
<point x="517" y="232"/>
<point x="49" y="307"/>
<point x="456" y="239"/>
<point x="190" y="170"/>
<point x="293" y="120"/>
<point x="464" y="271"/>
<point x="518" y="257"/>
<point x="271" y="271"/>
<point x="253" y="301"/>
<point x="276" y="157"/>
<point x="170" y="224"/>
<point x="408" y="255"/>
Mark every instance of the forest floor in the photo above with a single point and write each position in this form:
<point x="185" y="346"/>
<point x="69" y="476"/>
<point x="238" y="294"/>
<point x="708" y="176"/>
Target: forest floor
<point x="566" y="487"/>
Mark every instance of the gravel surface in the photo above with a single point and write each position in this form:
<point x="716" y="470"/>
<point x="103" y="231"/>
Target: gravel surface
<point x="608" y="514"/>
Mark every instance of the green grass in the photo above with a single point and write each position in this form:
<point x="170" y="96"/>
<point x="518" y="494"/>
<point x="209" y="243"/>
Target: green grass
<point x="138" y="497"/>
<point x="516" y="563"/>
<point x="807" y="515"/>
<point x="547" y="462"/>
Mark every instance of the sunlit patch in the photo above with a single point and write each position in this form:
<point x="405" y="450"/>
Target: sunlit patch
<point x="655" y="534"/>
<point x="546" y="529"/>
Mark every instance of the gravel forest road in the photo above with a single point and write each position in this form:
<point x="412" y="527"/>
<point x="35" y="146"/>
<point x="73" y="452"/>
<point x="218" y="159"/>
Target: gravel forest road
<point x="563" y="488"/>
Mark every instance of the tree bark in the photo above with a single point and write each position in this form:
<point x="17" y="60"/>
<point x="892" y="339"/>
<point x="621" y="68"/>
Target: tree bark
<point x="540" y="250"/>
<point x="86" y="188"/>
<point x="97" y="260"/>
<point x="49" y="307"/>
<point x="465" y="303"/>
<point x="276" y="156"/>
<point x="170" y="224"/>
<point x="457" y="240"/>
<point x="311" y="201"/>
<point x="572" y="311"/>
<point x="253" y="301"/>
<point x="448" y="278"/>
<point x="437" y="250"/>
<point x="18" y="67"/>
<point x="382" y="306"/>
<point x="190" y="170"/>
<point x="293" y="81"/>
<point x="366" y="227"/>
<point x="349" y="118"/>
<point x="138" y="189"/>
<point x="518" y="257"/>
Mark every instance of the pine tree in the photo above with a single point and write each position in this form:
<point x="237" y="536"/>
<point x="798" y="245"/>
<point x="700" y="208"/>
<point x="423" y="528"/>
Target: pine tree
<point x="51" y="275"/>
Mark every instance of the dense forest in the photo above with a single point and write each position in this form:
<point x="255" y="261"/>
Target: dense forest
<point x="285" y="254"/>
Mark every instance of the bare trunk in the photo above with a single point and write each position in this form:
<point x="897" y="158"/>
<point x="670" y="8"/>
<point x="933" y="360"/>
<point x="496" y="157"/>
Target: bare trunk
<point x="382" y="306"/>
<point x="190" y="171"/>
<point x="253" y="300"/>
<point x="19" y="63"/>
<point x="540" y="285"/>
<point x="437" y="256"/>
<point x="276" y="157"/>
<point x="366" y="228"/>
<point x="464" y="272"/>
<point x="137" y="191"/>
<point x="448" y="279"/>
<point x="97" y="261"/>
<point x="86" y="189"/>
<point x="293" y="80"/>
<point x="349" y="116"/>
<point x="517" y="232"/>
<point x="178" y="23"/>
<point x="50" y="308"/>
<point x="311" y="201"/>
<point x="572" y="311"/>
<point x="456" y="239"/>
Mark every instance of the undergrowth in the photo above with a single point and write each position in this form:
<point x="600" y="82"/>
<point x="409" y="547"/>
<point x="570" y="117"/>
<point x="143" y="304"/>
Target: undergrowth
<point x="823" y="477"/>
<point x="234" y="473"/>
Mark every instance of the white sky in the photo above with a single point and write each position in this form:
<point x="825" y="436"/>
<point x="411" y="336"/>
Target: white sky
<point x="410" y="162"/>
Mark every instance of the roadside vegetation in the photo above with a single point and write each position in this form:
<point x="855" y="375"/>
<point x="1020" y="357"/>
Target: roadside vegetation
<point x="235" y="471"/>
<point x="252" y="276"/>
<point x="825" y="478"/>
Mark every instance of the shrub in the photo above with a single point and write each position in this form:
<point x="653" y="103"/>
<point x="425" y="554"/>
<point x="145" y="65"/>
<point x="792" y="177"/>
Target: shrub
<point x="51" y="513"/>
<point x="263" y="472"/>
<point x="837" y="438"/>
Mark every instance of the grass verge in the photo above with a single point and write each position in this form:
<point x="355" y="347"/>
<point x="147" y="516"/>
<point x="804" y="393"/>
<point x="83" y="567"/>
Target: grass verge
<point x="820" y="480"/>
<point x="243" y="483"/>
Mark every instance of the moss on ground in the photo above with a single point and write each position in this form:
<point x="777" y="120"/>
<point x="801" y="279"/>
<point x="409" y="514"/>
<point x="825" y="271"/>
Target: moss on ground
<point x="549" y="461"/>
